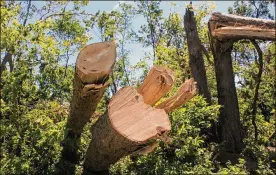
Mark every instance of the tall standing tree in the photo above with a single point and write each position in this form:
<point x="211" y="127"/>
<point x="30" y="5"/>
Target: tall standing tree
<point x="153" y="14"/>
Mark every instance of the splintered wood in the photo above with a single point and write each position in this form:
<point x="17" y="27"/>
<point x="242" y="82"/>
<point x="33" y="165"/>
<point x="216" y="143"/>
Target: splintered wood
<point x="187" y="91"/>
<point x="131" y="124"/>
<point x="128" y="125"/>
<point x="158" y="82"/>
<point x="134" y="119"/>
<point x="236" y="27"/>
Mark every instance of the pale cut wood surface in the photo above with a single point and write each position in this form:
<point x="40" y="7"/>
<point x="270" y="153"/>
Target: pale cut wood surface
<point x="157" y="83"/>
<point x="95" y="61"/>
<point x="134" y="119"/>
<point x="186" y="91"/>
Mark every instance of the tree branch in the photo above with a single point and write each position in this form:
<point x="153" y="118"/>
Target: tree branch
<point x="257" y="82"/>
<point x="27" y="14"/>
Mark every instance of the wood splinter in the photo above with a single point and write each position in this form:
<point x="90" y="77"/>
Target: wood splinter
<point x="186" y="91"/>
<point x="157" y="83"/>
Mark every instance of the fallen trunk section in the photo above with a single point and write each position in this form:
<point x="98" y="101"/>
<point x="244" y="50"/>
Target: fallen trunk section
<point x="237" y="27"/>
<point x="94" y="64"/>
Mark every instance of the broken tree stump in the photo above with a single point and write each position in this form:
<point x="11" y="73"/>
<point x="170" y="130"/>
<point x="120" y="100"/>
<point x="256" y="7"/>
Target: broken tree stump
<point x="127" y="126"/>
<point x="237" y="27"/>
<point x="93" y="66"/>
<point x="157" y="83"/>
<point x="186" y="91"/>
<point x="224" y="30"/>
<point x="196" y="60"/>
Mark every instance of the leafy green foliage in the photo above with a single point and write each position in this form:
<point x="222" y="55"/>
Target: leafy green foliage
<point x="36" y="85"/>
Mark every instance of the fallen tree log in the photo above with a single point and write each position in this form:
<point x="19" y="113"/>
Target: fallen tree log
<point x="128" y="125"/>
<point x="157" y="83"/>
<point x="236" y="27"/>
<point x="93" y="66"/>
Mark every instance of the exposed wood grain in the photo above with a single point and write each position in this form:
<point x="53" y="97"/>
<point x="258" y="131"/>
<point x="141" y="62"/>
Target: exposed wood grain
<point x="96" y="61"/>
<point x="244" y="33"/>
<point x="187" y="91"/>
<point x="157" y="83"/>
<point x="127" y="127"/>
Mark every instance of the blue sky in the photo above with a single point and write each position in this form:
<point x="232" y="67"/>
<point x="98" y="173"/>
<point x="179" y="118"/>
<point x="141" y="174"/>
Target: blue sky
<point x="137" y="51"/>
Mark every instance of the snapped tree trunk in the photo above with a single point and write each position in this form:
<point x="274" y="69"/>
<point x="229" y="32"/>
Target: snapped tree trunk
<point x="93" y="66"/>
<point x="195" y="55"/>
<point x="229" y="128"/>
<point x="109" y="142"/>
<point x="197" y="66"/>
<point x="131" y="125"/>
<point x="223" y="31"/>
<point x="128" y="125"/>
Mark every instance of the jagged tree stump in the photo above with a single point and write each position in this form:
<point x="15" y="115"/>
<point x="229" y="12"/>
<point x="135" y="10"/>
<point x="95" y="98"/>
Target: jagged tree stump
<point x="121" y="131"/>
<point x="128" y="125"/>
<point x="93" y="66"/>
<point x="131" y="125"/>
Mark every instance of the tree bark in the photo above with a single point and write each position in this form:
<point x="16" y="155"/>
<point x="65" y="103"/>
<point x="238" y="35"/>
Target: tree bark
<point x="229" y="128"/>
<point x="223" y="31"/>
<point x="237" y="27"/>
<point x="94" y="64"/>
<point x="196" y="61"/>
<point x="195" y="55"/>
<point x="129" y="125"/>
